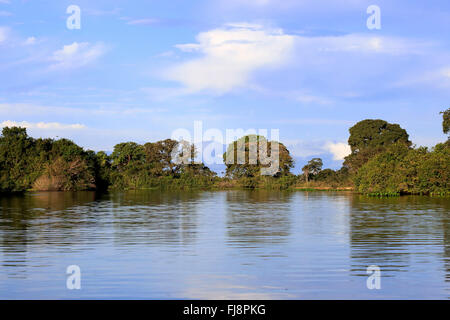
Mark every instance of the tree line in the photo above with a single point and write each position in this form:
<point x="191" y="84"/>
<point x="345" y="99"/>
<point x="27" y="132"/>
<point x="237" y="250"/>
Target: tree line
<point x="383" y="161"/>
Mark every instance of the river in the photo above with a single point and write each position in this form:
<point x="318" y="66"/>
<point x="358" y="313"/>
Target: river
<point x="223" y="245"/>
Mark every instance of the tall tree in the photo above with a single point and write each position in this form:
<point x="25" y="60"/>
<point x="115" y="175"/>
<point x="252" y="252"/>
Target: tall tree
<point x="16" y="153"/>
<point x="127" y="153"/>
<point x="370" y="137"/>
<point x="248" y="164"/>
<point x="159" y="155"/>
<point x="312" y="168"/>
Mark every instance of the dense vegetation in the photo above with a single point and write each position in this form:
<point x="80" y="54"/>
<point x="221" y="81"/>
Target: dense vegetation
<point x="371" y="137"/>
<point x="403" y="170"/>
<point x="247" y="172"/>
<point x="44" y="164"/>
<point x="397" y="168"/>
<point x="382" y="162"/>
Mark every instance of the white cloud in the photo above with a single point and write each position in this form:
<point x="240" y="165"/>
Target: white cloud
<point x="230" y="55"/>
<point x="339" y="150"/>
<point x="5" y="14"/>
<point x="42" y="125"/>
<point x="5" y="1"/>
<point x="77" y="55"/>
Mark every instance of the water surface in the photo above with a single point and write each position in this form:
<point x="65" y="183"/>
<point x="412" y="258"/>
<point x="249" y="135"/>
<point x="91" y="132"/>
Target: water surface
<point x="223" y="245"/>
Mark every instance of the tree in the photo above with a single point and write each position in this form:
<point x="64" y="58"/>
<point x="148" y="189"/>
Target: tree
<point x="155" y="164"/>
<point x="43" y="164"/>
<point x="17" y="150"/>
<point x="159" y="156"/>
<point x="62" y="175"/>
<point x="400" y="169"/>
<point x="67" y="149"/>
<point x="102" y="168"/>
<point x="446" y="121"/>
<point x="370" y="137"/>
<point x="312" y="168"/>
<point x="246" y="163"/>
<point x="127" y="153"/>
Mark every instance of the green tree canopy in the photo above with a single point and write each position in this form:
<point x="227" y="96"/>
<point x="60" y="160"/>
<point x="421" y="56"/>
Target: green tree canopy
<point x="159" y="154"/>
<point x="43" y="164"/>
<point x="370" y="137"/>
<point x="312" y="168"/>
<point x="249" y="165"/>
<point x="400" y="169"/>
<point x="127" y="153"/>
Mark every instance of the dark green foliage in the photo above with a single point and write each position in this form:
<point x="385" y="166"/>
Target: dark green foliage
<point x="334" y="178"/>
<point x="102" y="169"/>
<point x="312" y="168"/>
<point x="374" y="133"/>
<point x="17" y="151"/>
<point x="382" y="163"/>
<point x="370" y="137"/>
<point x="135" y="166"/>
<point x="392" y="167"/>
<point x="241" y="166"/>
<point x="44" y="164"/>
<point x="401" y="170"/>
<point x="446" y="121"/>
<point x="159" y="154"/>
<point x="247" y="173"/>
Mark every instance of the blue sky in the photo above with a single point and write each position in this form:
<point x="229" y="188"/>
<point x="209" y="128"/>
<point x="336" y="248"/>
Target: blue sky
<point x="137" y="71"/>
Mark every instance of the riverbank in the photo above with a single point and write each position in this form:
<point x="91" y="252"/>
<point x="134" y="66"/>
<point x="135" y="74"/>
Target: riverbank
<point x="323" y="189"/>
<point x="61" y="165"/>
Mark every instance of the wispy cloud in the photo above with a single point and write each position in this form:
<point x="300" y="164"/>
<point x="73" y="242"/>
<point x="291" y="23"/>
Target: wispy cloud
<point x="96" y="109"/>
<point x="305" y="5"/>
<point x="5" y="14"/>
<point x="76" y="55"/>
<point x="42" y="125"/>
<point x="362" y="43"/>
<point x="438" y="78"/>
<point x="96" y="12"/>
<point x="314" y="121"/>
<point x="145" y="22"/>
<point x="311" y="99"/>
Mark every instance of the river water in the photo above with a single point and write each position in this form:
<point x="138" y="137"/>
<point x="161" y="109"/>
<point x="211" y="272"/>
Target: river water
<point x="224" y="245"/>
